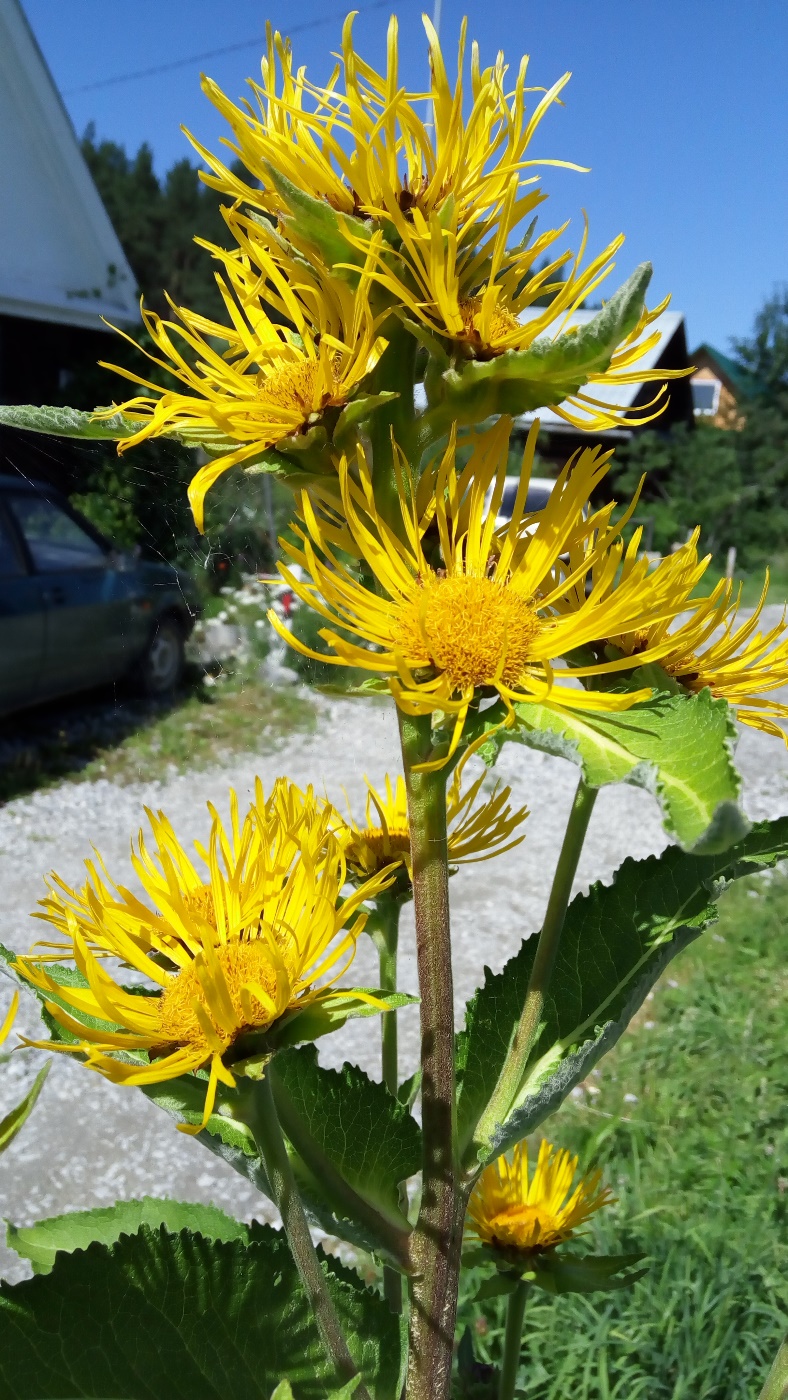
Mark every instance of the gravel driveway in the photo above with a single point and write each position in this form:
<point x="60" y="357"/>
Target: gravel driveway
<point x="91" y="1143"/>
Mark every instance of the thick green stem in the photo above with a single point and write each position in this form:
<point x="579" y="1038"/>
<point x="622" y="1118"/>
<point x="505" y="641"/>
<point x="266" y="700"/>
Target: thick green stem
<point x="386" y="940"/>
<point x="776" y="1387"/>
<point x="396" y="372"/>
<point x="511" y="1077"/>
<point x="437" y="1238"/>
<point x="512" y="1342"/>
<point x="268" y="1135"/>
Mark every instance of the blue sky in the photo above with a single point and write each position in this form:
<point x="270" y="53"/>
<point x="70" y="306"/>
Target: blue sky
<point x="678" y="106"/>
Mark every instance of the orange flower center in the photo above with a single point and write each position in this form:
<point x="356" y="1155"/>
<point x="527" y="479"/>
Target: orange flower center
<point x="477" y="630"/>
<point x="297" y="387"/>
<point x="386" y="846"/>
<point x="241" y="965"/>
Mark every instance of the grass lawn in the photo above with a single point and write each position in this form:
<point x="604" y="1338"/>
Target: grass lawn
<point x="687" y="1117"/>
<point x="129" y="741"/>
<point x="752" y="582"/>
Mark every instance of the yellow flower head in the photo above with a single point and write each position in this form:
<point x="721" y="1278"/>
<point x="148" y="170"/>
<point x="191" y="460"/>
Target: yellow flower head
<point x="8" y="1023"/>
<point x="227" y="950"/>
<point x="461" y="609"/>
<point x="738" y="664"/>
<point x="477" y="830"/>
<point x="254" y="383"/>
<point x="510" y="1212"/>
<point x="375" y="150"/>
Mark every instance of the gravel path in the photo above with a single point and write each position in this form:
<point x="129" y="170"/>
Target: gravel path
<point x="92" y="1143"/>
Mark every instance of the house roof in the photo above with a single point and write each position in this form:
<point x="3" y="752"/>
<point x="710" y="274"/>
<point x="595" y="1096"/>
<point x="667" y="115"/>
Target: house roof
<point x="624" y="395"/>
<point x="60" y="258"/>
<point x="739" y="379"/>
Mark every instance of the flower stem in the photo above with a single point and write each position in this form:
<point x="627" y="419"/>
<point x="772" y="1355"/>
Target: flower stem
<point x="437" y="1238"/>
<point x="512" y="1342"/>
<point x="386" y="939"/>
<point x="511" y="1077"/>
<point x="268" y="1135"/>
<point x="776" y="1387"/>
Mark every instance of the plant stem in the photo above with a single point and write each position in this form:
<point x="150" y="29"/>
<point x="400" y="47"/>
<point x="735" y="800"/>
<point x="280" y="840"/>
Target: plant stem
<point x="511" y="1077"/>
<point x="437" y="1238"/>
<point x="386" y="939"/>
<point x="396" y="371"/>
<point x="776" y="1387"/>
<point x="512" y="1342"/>
<point x="268" y="1135"/>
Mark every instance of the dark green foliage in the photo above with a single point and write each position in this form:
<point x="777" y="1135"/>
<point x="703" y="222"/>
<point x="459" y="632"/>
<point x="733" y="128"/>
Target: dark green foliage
<point x="161" y="1316"/>
<point x="690" y="1130"/>
<point x="306" y="626"/>
<point x="764" y="354"/>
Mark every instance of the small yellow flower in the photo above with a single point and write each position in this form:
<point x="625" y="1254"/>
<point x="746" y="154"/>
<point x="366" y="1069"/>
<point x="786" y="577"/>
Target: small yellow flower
<point x="477" y="830"/>
<point x="227" y="950"/>
<point x="460" y="610"/>
<point x="738" y="665"/>
<point x="8" y="1023"/>
<point x="255" y="382"/>
<point x="510" y="1212"/>
<point x="375" y="150"/>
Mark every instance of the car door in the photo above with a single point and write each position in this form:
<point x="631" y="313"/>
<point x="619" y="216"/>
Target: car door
<point x="85" y="634"/>
<point x="22" y="622"/>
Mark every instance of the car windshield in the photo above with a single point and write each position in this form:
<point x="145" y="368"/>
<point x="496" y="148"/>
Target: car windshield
<point x="10" y="566"/>
<point x="537" y="498"/>
<point x="56" y="542"/>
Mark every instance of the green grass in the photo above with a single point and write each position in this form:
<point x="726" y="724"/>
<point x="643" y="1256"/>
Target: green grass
<point x="135" y="741"/>
<point x="698" y="1159"/>
<point x="752" y="582"/>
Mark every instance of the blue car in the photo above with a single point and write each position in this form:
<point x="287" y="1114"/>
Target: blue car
<point x="76" y="612"/>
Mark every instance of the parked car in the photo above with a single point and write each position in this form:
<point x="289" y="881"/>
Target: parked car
<point x="76" y="612"/>
<point x="539" y="491"/>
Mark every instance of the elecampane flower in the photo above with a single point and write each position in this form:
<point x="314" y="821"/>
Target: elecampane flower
<point x="477" y="830"/>
<point x="458" y="609"/>
<point x="259" y="934"/>
<point x="739" y="664"/>
<point x="256" y="381"/>
<point x="509" y="1211"/>
<point x="374" y="149"/>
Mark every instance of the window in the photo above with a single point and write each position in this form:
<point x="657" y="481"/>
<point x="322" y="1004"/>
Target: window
<point x="56" y="542"/>
<point x="705" y="395"/>
<point x="10" y="563"/>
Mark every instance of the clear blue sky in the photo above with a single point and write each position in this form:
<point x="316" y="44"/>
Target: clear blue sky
<point x="678" y="106"/>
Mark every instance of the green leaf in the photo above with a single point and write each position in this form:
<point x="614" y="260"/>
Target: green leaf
<point x="344" y="1125"/>
<point x="76" y="1230"/>
<point x="356" y="411"/>
<point x="14" y="1121"/>
<point x="617" y="940"/>
<point x="65" y="422"/>
<point x="161" y="1316"/>
<point x="322" y="226"/>
<point x="553" y="1271"/>
<point x="550" y="370"/>
<point x="315" y="1020"/>
<point x="678" y="747"/>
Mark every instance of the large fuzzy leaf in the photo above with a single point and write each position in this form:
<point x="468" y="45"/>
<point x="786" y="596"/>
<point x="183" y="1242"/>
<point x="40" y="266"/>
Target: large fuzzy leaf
<point x="342" y="1122"/>
<point x="616" y="942"/>
<point x="65" y="422"/>
<point x="79" y="1228"/>
<point x="161" y="1316"/>
<point x="679" y="747"/>
<point x="550" y="370"/>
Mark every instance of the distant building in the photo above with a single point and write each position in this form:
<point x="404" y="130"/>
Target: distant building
<point x="718" y="386"/>
<point x="61" y="265"/>
<point x="558" y="440"/>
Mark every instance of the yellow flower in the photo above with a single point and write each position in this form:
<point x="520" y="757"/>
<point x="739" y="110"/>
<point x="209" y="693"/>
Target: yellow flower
<point x="375" y="149"/>
<point x="226" y="951"/>
<point x="476" y="831"/>
<point x="254" y="383"/>
<point x="738" y="665"/>
<point x="509" y="1212"/>
<point x="474" y="295"/>
<point x="459" y="610"/>
<point x="7" y="1026"/>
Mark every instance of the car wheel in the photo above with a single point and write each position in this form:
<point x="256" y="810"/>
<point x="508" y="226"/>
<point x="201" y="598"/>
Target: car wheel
<point x="161" y="667"/>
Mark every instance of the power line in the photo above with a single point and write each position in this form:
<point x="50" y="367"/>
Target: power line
<point x="216" y="53"/>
